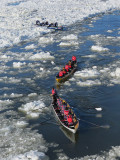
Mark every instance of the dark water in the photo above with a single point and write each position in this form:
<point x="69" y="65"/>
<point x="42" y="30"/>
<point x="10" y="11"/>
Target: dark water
<point x="90" y="139"/>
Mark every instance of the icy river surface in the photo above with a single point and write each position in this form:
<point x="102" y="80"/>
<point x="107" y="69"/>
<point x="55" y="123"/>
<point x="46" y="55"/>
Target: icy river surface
<point x="28" y="129"/>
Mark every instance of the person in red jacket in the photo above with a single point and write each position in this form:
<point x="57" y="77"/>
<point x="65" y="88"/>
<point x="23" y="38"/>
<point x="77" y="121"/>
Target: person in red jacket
<point x="69" y="120"/>
<point x="70" y="64"/>
<point x="64" y="71"/>
<point x="74" y="60"/>
<point x="54" y="94"/>
<point x="67" y="67"/>
<point x="61" y="74"/>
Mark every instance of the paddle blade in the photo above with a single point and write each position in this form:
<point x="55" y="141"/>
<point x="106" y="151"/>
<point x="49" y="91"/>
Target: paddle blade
<point x="106" y="126"/>
<point x="99" y="109"/>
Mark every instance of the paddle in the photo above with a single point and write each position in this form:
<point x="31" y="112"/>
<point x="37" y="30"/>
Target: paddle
<point x="96" y="108"/>
<point x="105" y="126"/>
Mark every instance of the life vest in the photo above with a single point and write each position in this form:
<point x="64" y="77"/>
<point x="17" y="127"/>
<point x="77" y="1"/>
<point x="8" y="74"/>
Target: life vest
<point x="74" y="58"/>
<point x="67" y="68"/>
<point x="53" y="91"/>
<point x="69" y="119"/>
<point x="59" y="102"/>
<point x="62" y="108"/>
<point x="66" y="112"/>
<point x="60" y="73"/>
<point x="64" y="72"/>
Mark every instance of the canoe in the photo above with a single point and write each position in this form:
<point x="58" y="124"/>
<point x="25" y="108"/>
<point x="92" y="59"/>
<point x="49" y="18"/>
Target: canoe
<point x="70" y="135"/>
<point x="66" y="76"/>
<point x="56" y="28"/>
<point x="60" y="118"/>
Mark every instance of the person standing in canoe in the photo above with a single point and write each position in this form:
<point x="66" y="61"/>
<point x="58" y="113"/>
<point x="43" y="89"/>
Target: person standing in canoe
<point x="74" y="60"/>
<point x="54" y="94"/>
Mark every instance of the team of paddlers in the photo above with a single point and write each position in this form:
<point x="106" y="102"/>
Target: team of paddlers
<point x="60" y="104"/>
<point x="68" y="67"/>
<point x="46" y="24"/>
<point x="50" y="25"/>
<point x="65" y="111"/>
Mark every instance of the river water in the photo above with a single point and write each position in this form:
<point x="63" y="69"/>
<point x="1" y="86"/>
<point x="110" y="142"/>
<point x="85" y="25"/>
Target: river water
<point x="28" y="74"/>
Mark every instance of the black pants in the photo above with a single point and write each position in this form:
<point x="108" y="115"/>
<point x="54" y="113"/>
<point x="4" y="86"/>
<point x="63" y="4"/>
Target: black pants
<point x="55" y="98"/>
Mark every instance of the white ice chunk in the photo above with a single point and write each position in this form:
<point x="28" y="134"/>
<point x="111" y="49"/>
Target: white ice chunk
<point x="116" y="73"/>
<point x="18" y="64"/>
<point x="42" y="56"/>
<point x="89" y="83"/>
<point x="71" y="43"/>
<point x="99" y="48"/>
<point x="32" y="94"/>
<point x="32" y="46"/>
<point x="86" y="73"/>
<point x="33" y="109"/>
<point x="70" y="37"/>
<point x="32" y="155"/>
<point x="21" y="123"/>
<point x="44" y="40"/>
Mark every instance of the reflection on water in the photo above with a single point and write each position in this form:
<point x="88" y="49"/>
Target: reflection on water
<point x="71" y="136"/>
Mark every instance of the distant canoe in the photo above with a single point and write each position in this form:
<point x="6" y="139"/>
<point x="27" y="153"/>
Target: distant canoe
<point x="66" y="76"/>
<point x="56" y="28"/>
<point x="72" y="128"/>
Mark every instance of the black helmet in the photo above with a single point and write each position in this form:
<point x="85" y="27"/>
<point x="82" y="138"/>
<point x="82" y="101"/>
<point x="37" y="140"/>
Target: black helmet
<point x="37" y="22"/>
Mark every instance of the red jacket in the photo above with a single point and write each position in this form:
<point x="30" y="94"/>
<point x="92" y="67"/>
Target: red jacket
<point x="60" y="73"/>
<point x="66" y="112"/>
<point x="74" y="58"/>
<point x="53" y="91"/>
<point x="64" y="72"/>
<point x="67" y="67"/>
<point x="69" y="119"/>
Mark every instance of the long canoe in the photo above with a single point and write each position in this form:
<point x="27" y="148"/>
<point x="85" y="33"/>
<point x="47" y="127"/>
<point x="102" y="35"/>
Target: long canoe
<point x="68" y="75"/>
<point x="60" y="118"/>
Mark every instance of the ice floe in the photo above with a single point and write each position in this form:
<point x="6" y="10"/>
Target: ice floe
<point x="116" y="73"/>
<point x="32" y="46"/>
<point x="18" y="64"/>
<point x="89" y="83"/>
<point x="71" y="43"/>
<point x="99" y="48"/>
<point x="42" y="56"/>
<point x="45" y="40"/>
<point x="32" y="155"/>
<point x="18" y="18"/>
<point x="17" y="140"/>
<point x="34" y="109"/>
<point x="70" y="37"/>
<point x="87" y="73"/>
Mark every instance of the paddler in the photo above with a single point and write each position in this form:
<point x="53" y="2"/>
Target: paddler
<point x="74" y="60"/>
<point x="69" y="120"/>
<point x="70" y="64"/>
<point x="54" y="94"/>
<point x="64" y="71"/>
<point x="61" y="74"/>
<point x="67" y="67"/>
